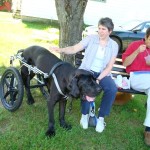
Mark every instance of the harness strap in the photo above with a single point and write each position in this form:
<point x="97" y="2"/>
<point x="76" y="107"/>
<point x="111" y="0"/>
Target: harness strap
<point x="57" y="85"/>
<point x="55" y="79"/>
<point x="55" y="66"/>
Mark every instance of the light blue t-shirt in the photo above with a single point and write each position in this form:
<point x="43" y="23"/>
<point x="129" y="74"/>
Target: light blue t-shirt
<point x="97" y="64"/>
<point x="91" y="44"/>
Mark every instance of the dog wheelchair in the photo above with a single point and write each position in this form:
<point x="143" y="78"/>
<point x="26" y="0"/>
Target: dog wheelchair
<point x="11" y="86"/>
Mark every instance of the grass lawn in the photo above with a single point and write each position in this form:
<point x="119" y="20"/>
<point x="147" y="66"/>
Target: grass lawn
<point x="25" y="128"/>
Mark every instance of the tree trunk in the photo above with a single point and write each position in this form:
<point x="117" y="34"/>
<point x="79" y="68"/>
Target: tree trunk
<point x="70" y="15"/>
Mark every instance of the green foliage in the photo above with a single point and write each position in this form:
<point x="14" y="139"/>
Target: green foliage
<point x="3" y="1"/>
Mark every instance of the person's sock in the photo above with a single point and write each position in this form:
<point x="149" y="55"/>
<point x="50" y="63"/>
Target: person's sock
<point x="147" y="129"/>
<point x="101" y="118"/>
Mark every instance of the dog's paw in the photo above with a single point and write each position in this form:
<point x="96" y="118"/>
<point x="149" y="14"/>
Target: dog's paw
<point x="66" y="126"/>
<point x="30" y="102"/>
<point x="50" y="133"/>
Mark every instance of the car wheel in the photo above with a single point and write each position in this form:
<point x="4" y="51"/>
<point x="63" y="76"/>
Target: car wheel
<point x="119" y="42"/>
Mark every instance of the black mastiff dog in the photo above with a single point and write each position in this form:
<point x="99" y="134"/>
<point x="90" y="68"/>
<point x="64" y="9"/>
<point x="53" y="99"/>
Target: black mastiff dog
<point x="72" y="82"/>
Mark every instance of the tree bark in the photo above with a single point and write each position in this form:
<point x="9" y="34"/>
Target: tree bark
<point x="70" y="16"/>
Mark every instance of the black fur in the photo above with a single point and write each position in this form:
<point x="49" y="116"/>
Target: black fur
<point x="74" y="82"/>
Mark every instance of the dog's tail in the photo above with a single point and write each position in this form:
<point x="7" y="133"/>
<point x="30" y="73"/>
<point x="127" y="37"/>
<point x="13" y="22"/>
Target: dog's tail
<point x="20" y="51"/>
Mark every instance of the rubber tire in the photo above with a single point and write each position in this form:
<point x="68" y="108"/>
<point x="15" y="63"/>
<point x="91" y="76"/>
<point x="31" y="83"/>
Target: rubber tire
<point x="11" y="96"/>
<point x="119" y="42"/>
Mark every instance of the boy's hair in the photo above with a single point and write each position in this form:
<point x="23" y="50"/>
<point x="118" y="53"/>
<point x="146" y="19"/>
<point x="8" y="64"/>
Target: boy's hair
<point x="147" y="32"/>
<point x="107" y="22"/>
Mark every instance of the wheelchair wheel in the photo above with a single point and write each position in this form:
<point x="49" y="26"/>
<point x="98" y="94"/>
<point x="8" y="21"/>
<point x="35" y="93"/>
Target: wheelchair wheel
<point x="43" y="87"/>
<point x="11" y="89"/>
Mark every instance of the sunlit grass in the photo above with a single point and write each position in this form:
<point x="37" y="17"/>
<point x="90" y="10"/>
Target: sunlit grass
<point x="16" y="35"/>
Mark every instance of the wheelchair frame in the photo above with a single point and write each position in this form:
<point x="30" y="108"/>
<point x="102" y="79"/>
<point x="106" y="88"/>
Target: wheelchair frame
<point x="11" y="85"/>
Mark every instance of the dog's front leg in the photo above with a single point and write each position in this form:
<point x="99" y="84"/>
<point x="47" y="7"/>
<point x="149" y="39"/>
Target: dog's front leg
<point x="62" y="109"/>
<point x="51" y="129"/>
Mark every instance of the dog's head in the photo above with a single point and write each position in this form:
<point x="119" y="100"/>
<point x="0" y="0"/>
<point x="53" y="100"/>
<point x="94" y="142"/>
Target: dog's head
<point x="83" y="85"/>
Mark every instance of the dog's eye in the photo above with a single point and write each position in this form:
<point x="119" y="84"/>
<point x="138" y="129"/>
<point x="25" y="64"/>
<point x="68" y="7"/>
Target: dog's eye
<point x="70" y="86"/>
<point x="93" y="79"/>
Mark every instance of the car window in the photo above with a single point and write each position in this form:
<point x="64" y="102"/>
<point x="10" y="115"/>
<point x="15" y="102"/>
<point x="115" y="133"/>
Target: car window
<point x="147" y="25"/>
<point x="138" y="28"/>
<point x="130" y="25"/>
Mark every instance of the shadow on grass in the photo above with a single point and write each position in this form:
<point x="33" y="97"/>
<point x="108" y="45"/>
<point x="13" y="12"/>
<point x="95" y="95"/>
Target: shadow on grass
<point x="40" y="25"/>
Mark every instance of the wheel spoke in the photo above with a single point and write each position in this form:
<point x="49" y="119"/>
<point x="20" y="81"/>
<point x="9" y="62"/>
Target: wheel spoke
<point x="15" y="94"/>
<point x="7" y="82"/>
<point x="12" y="80"/>
<point x="6" y="94"/>
<point x="11" y="98"/>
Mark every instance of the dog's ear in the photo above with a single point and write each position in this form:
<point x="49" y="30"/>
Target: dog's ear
<point x="73" y="87"/>
<point x="80" y="72"/>
<point x="73" y="81"/>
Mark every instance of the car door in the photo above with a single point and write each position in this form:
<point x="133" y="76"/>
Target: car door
<point x="138" y="32"/>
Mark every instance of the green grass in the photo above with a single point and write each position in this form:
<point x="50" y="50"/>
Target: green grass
<point x="25" y="128"/>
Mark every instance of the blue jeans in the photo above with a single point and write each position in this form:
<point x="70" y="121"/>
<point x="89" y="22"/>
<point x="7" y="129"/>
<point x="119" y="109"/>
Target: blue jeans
<point x="109" y="93"/>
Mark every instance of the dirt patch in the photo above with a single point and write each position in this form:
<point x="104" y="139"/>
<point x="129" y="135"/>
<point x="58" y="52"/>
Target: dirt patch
<point x="3" y="126"/>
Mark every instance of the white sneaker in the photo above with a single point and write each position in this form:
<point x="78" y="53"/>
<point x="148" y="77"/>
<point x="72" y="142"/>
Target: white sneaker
<point x="84" y="121"/>
<point x="100" y="125"/>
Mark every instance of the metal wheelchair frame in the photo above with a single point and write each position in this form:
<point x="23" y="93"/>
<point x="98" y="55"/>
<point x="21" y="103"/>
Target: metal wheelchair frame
<point x="11" y="85"/>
